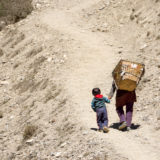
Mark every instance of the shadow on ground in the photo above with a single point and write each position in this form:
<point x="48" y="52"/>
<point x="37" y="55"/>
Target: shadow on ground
<point x="94" y="129"/>
<point x="116" y="126"/>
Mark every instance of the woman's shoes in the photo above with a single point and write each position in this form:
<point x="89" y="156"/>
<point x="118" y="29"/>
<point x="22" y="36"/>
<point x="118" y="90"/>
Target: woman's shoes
<point x="123" y="125"/>
<point x="104" y="130"/>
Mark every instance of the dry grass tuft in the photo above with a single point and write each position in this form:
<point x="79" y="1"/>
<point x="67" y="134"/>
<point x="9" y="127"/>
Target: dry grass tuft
<point x="12" y="11"/>
<point x="29" y="131"/>
<point x="1" y="52"/>
<point x="1" y="114"/>
<point x="100" y="157"/>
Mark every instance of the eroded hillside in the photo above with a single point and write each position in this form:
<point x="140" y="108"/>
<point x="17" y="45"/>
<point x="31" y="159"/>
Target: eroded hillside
<point x="50" y="61"/>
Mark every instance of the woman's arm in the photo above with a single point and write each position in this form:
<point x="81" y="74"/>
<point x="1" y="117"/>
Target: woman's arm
<point x="113" y="88"/>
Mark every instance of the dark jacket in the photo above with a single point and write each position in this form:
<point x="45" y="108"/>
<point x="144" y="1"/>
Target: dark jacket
<point x="99" y="102"/>
<point x="122" y="96"/>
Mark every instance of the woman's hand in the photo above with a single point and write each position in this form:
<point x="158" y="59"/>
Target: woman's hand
<point x="109" y="97"/>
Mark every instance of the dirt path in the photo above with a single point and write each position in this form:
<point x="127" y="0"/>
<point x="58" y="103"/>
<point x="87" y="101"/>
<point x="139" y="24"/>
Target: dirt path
<point x="91" y="66"/>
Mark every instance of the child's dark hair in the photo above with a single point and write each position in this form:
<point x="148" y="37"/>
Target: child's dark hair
<point x="96" y="91"/>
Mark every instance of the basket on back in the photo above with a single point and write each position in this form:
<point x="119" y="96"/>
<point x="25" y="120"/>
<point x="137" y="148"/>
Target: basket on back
<point x="127" y="75"/>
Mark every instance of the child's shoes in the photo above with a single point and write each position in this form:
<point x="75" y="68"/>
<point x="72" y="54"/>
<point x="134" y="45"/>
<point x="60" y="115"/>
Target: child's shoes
<point x="100" y="130"/>
<point x="105" y="129"/>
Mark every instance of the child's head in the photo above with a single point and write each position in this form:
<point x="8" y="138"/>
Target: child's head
<point x="96" y="91"/>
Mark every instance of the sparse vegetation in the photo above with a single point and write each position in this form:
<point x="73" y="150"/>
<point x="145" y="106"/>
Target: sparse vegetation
<point x="100" y="157"/>
<point x="29" y="131"/>
<point x="1" y="114"/>
<point x="86" y="154"/>
<point x="12" y="11"/>
<point x="1" y="52"/>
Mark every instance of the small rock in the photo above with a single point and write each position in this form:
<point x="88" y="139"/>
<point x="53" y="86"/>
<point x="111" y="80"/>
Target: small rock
<point x="145" y="80"/>
<point x="30" y="141"/>
<point x="80" y="156"/>
<point x="11" y="156"/>
<point x="1" y="52"/>
<point x="143" y="46"/>
<point x="49" y="59"/>
<point x="2" y="25"/>
<point x="146" y="118"/>
<point x="1" y="114"/>
<point x="85" y="133"/>
<point x="65" y="56"/>
<point x="148" y="33"/>
<point x="11" y="117"/>
<point x="102" y="8"/>
<point x="158" y="37"/>
<point x="132" y="17"/>
<point x="6" y="99"/>
<point x="52" y="121"/>
<point x="63" y="144"/>
<point x="157" y="128"/>
<point x="61" y="61"/>
<point x="20" y="78"/>
<point x="52" y="154"/>
<point x="4" y="82"/>
<point x="38" y="6"/>
<point x="105" y="25"/>
<point x="3" y="61"/>
<point x="58" y="154"/>
<point x="32" y="155"/>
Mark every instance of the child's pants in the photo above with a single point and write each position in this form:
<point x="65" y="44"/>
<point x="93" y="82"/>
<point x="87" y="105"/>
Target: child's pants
<point x="129" y="112"/>
<point x="102" y="117"/>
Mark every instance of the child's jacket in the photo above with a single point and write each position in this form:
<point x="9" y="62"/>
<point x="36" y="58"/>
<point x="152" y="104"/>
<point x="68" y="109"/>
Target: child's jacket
<point x="99" y="102"/>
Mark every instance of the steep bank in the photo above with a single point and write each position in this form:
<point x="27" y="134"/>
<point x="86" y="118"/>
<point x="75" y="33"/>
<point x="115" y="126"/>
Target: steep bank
<point x="14" y="11"/>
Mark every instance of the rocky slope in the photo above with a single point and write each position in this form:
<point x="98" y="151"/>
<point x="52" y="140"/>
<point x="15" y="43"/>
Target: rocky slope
<point x="49" y="63"/>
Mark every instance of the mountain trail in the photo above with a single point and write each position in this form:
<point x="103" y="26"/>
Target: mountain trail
<point x="57" y="58"/>
<point x="91" y="67"/>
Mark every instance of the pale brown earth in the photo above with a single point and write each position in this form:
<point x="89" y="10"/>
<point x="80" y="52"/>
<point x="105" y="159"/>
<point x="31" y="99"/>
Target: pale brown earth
<point x="49" y="63"/>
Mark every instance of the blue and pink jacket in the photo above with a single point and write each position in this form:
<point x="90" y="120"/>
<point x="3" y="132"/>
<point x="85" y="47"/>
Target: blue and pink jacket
<point x="99" y="102"/>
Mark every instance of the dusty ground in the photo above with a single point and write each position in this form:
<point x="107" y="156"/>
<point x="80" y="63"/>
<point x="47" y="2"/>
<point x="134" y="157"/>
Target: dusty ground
<point x="50" y="62"/>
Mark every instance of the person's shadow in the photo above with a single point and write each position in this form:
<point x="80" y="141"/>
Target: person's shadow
<point x="94" y="129"/>
<point x="116" y="126"/>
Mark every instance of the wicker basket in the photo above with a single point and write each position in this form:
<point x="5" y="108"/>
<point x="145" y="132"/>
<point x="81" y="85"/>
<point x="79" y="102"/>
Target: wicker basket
<point x="127" y="75"/>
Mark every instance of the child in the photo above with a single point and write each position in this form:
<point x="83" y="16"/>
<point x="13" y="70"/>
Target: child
<point x="98" y="105"/>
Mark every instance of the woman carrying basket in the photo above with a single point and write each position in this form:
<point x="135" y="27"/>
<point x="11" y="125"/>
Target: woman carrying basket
<point x="123" y="98"/>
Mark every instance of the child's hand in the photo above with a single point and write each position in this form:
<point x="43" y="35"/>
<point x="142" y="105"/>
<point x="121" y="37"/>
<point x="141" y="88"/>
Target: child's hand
<point x="109" y="98"/>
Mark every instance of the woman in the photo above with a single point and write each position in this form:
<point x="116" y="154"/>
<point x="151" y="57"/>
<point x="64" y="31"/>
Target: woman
<point x="123" y="98"/>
